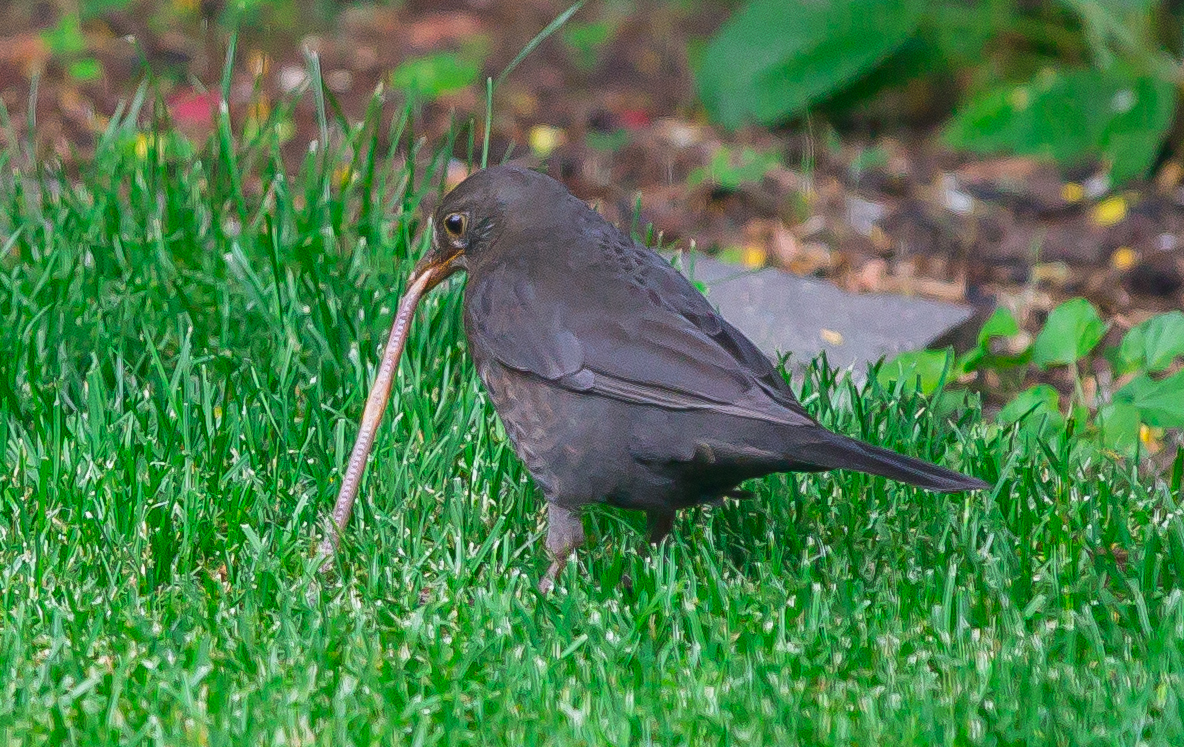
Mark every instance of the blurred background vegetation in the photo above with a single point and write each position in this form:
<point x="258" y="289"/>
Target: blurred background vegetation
<point x="1072" y="80"/>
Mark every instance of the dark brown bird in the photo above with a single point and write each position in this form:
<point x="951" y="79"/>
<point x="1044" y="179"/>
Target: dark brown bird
<point x="616" y="380"/>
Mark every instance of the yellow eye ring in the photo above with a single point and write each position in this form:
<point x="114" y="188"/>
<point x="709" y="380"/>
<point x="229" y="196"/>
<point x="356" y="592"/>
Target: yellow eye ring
<point x="455" y="224"/>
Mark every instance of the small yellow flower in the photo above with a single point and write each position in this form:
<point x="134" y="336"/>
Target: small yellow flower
<point x="754" y="256"/>
<point x="1109" y="212"/>
<point x="1072" y="192"/>
<point x="1124" y="258"/>
<point x="544" y="139"/>
<point x="1150" y="438"/>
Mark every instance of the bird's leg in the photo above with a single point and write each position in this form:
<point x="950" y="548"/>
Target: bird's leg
<point x="658" y="525"/>
<point x="565" y="532"/>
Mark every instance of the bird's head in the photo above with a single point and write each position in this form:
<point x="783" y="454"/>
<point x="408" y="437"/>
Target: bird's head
<point x="473" y="216"/>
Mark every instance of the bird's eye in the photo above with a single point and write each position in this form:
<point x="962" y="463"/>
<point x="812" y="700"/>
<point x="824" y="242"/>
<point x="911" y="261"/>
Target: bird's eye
<point x="455" y="224"/>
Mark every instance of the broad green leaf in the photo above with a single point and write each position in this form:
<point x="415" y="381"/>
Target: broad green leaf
<point x="435" y="74"/>
<point x="1154" y="344"/>
<point x="66" y="38"/>
<point x="1119" y="423"/>
<point x="961" y="31"/>
<point x="1001" y="323"/>
<point x="587" y="40"/>
<point x="86" y="69"/>
<point x="1072" y="330"/>
<point x="1160" y="403"/>
<point x="1036" y="409"/>
<point x="773" y="58"/>
<point x="1071" y="116"/>
<point x="1140" y="115"/>
<point x="930" y="367"/>
<point x="1038" y="400"/>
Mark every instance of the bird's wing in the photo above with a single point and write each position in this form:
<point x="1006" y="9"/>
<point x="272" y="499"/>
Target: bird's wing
<point x="628" y="327"/>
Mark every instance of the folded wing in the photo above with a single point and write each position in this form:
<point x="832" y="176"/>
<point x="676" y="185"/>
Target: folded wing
<point x="631" y="328"/>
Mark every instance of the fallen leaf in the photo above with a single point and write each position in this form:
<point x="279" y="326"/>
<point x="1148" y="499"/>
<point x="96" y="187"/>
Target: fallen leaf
<point x="831" y="337"/>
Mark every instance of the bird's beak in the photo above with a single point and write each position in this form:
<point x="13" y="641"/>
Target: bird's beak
<point x="428" y="273"/>
<point x="441" y="262"/>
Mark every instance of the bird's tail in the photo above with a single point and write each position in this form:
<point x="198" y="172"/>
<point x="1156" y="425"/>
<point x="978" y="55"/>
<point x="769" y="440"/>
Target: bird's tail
<point x="842" y="452"/>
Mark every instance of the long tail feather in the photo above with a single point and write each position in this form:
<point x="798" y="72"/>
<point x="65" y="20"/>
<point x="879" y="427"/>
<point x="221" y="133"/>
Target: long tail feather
<point x="848" y="453"/>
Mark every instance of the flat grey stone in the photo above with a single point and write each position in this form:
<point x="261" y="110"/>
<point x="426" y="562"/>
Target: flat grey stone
<point x="784" y="313"/>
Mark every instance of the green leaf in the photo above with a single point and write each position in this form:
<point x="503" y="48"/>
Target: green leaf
<point x="586" y="41"/>
<point x="1140" y="115"/>
<point x="1152" y="345"/>
<point x="772" y="59"/>
<point x="1041" y="398"/>
<point x="1119" y="424"/>
<point x="961" y="31"/>
<point x="1001" y="323"/>
<point x="1071" y="116"/>
<point x="929" y="367"/>
<point x="1037" y="409"/>
<point x="610" y="142"/>
<point x="434" y="75"/>
<point x="96" y="8"/>
<point x="732" y="255"/>
<point x="86" y="69"/>
<point x="1073" y="329"/>
<point x="1160" y="403"/>
<point x="730" y="168"/>
<point x="65" y="38"/>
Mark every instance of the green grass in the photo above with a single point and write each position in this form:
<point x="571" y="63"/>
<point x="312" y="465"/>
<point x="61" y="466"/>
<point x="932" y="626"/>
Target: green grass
<point x="185" y="356"/>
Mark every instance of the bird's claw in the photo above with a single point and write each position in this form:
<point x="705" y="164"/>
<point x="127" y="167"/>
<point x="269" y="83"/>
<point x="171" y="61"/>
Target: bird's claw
<point x="547" y="582"/>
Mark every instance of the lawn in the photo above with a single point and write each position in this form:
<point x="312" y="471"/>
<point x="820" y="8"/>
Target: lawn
<point x="188" y="337"/>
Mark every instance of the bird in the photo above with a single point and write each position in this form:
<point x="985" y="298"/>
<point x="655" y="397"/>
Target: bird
<point x="616" y="380"/>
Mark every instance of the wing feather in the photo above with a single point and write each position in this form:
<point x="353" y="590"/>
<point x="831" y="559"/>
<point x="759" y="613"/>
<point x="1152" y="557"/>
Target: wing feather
<point x="625" y="324"/>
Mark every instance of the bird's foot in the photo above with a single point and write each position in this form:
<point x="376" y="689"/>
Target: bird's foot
<point x="547" y="582"/>
<point x="658" y="525"/>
